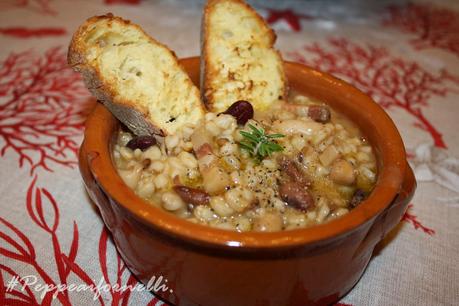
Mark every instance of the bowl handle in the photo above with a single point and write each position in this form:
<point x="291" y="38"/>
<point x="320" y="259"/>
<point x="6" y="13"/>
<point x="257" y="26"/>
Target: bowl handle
<point x="395" y="211"/>
<point x="95" y="192"/>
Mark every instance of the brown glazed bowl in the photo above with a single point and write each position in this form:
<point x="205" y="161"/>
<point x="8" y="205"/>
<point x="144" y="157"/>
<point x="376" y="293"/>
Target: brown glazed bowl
<point x="212" y="267"/>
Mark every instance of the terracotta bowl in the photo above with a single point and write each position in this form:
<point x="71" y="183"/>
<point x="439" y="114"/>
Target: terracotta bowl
<point x="207" y="266"/>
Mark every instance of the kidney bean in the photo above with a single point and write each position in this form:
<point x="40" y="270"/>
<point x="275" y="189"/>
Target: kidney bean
<point x="293" y="171"/>
<point x="192" y="195"/>
<point x="241" y="110"/>
<point x="359" y="196"/>
<point x="141" y="142"/>
<point x="319" y="113"/>
<point x="296" y="195"/>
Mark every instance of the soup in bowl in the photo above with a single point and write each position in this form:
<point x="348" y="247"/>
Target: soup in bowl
<point x="293" y="165"/>
<point x="312" y="254"/>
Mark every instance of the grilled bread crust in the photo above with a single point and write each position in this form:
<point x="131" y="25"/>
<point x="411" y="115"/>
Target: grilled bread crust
<point x="138" y="79"/>
<point x="238" y="61"/>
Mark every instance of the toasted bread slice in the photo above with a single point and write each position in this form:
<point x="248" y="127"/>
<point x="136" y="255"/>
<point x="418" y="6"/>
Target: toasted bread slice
<point x="138" y="79"/>
<point x="238" y="61"/>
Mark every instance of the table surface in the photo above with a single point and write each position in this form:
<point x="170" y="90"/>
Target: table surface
<point x="406" y="56"/>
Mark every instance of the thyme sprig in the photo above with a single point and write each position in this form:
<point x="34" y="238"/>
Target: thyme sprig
<point x="259" y="144"/>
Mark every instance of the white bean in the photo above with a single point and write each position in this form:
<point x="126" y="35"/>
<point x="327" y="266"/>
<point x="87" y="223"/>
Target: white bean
<point x="157" y="166"/>
<point x="223" y="121"/>
<point x="212" y="128"/>
<point x="292" y="126"/>
<point x="220" y="206"/>
<point x="296" y="220"/>
<point x="172" y="201"/>
<point x="161" y="181"/>
<point x="138" y="154"/>
<point x="203" y="212"/>
<point x="188" y="159"/>
<point x="175" y="162"/>
<point x="210" y="116"/>
<point x="238" y="199"/>
<point x="153" y="153"/>
<point x="131" y="176"/>
<point x="126" y="153"/>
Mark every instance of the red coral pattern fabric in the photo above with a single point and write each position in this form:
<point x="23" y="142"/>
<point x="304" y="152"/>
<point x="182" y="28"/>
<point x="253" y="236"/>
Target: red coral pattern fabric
<point x="44" y="105"/>
<point x="433" y="26"/>
<point x="44" y="7"/>
<point x="292" y="18"/>
<point x="23" y="32"/>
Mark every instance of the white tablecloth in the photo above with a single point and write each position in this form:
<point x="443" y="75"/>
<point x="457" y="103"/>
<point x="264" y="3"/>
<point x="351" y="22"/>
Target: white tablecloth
<point x="405" y="55"/>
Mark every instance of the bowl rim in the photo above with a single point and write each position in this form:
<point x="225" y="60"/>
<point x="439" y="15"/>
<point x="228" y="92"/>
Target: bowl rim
<point x="96" y="146"/>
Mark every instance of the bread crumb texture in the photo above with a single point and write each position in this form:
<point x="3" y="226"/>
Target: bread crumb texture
<point x="241" y="63"/>
<point x="139" y="77"/>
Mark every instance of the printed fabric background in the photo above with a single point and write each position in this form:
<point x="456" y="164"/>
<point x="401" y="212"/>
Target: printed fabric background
<point x="404" y="54"/>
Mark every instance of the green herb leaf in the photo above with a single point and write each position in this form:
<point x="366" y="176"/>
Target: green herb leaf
<point x="258" y="143"/>
<point x="275" y="136"/>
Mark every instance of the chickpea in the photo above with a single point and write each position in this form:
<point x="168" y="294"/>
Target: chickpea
<point x="153" y="153"/>
<point x="131" y="176"/>
<point x="342" y="172"/>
